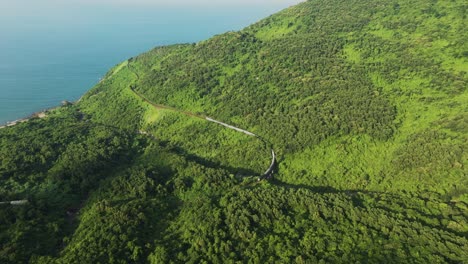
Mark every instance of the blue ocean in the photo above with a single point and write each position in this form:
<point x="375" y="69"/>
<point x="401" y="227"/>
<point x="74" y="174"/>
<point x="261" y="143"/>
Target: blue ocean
<point x="56" y="55"/>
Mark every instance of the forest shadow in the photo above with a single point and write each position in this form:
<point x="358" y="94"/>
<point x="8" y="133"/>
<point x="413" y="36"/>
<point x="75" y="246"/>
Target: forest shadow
<point x="394" y="205"/>
<point x="238" y="171"/>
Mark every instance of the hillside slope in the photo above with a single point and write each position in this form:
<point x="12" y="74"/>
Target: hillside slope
<point x="369" y="84"/>
<point x="364" y="102"/>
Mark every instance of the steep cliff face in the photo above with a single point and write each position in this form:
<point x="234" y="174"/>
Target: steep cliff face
<point x="364" y="103"/>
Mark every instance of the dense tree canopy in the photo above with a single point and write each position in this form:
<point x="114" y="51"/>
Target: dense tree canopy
<point x="364" y="102"/>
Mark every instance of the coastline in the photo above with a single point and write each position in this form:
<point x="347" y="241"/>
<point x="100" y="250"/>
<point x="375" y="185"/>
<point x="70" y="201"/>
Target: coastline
<point x="40" y="114"/>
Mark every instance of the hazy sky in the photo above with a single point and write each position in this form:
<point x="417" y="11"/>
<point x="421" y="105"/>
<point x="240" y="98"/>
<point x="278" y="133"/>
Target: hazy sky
<point x="28" y="4"/>
<point x="12" y="11"/>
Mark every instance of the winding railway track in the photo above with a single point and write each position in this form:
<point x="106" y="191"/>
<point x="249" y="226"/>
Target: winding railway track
<point x="268" y="174"/>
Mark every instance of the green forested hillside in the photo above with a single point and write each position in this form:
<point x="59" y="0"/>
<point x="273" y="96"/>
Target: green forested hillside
<point x="364" y="102"/>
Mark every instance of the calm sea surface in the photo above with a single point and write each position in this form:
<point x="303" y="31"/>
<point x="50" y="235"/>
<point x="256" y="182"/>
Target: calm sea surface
<point x="45" y="59"/>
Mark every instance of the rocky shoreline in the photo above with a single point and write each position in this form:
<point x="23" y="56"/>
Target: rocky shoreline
<point x="40" y="114"/>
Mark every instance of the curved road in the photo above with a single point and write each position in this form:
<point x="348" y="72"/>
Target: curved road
<point x="266" y="175"/>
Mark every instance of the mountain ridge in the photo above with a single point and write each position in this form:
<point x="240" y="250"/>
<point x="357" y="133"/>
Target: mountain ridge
<point x="364" y="102"/>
